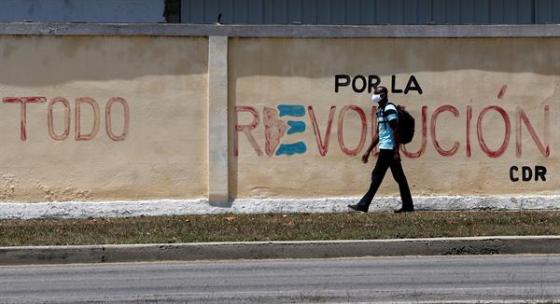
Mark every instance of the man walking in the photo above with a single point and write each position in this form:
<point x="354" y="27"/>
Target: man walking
<point x="387" y="137"/>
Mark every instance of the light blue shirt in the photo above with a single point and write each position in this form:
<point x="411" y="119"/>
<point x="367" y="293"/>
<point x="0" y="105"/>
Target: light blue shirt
<point x="385" y="132"/>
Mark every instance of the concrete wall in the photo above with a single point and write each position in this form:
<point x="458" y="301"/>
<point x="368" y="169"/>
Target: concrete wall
<point x="82" y="10"/>
<point x="59" y="148"/>
<point x="483" y="106"/>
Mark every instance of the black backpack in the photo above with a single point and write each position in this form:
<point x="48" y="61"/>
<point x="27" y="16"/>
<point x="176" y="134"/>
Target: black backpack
<point x="406" y="125"/>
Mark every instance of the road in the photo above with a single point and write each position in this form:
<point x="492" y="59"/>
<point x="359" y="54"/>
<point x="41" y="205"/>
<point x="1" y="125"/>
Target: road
<point x="387" y="279"/>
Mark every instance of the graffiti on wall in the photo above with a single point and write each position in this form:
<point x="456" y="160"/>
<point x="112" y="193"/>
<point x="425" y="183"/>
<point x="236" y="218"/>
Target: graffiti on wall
<point x="362" y="83"/>
<point x="279" y="123"/>
<point x="81" y="105"/>
<point x="286" y="119"/>
<point x="275" y="128"/>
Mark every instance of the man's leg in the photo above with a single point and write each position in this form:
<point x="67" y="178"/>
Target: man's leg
<point x="381" y="166"/>
<point x="400" y="178"/>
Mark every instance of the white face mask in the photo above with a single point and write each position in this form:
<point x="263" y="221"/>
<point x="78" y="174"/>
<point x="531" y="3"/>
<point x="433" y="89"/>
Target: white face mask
<point x="376" y="98"/>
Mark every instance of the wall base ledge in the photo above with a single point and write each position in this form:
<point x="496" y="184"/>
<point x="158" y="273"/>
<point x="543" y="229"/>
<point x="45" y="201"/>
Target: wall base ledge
<point x="85" y="209"/>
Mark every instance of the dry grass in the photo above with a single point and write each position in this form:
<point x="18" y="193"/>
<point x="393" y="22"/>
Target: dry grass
<point x="268" y="227"/>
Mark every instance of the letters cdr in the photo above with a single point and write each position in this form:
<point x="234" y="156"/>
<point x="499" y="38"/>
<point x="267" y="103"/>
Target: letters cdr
<point x="81" y="105"/>
<point x="527" y="173"/>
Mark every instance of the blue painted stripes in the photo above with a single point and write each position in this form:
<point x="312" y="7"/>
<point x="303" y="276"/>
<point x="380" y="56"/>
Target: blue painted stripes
<point x="291" y="149"/>
<point x="291" y="110"/>
<point x="296" y="127"/>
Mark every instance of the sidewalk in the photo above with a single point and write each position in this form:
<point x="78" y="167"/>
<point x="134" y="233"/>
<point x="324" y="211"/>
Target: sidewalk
<point x="173" y="207"/>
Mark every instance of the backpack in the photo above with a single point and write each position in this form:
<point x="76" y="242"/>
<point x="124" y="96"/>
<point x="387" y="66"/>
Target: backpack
<point x="406" y="125"/>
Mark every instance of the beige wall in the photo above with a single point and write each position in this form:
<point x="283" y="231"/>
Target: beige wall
<point x="460" y="73"/>
<point x="164" y="83"/>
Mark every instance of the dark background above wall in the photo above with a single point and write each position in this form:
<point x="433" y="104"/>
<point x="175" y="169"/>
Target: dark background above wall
<point x="322" y="12"/>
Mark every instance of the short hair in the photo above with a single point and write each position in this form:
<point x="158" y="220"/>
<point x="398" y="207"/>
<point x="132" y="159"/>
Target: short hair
<point x="381" y="90"/>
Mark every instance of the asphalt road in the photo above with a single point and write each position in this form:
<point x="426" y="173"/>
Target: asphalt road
<point x="395" y="279"/>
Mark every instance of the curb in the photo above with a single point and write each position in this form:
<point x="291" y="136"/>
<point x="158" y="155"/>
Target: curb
<point x="278" y="250"/>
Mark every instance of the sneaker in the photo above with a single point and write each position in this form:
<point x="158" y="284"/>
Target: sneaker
<point x="357" y="208"/>
<point x="402" y="210"/>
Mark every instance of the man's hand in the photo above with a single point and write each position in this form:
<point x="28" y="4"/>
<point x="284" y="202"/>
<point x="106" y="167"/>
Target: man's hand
<point x="374" y="142"/>
<point x="365" y="157"/>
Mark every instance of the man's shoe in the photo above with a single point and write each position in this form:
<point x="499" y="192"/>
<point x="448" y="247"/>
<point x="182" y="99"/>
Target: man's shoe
<point x="357" y="208"/>
<point x="402" y="210"/>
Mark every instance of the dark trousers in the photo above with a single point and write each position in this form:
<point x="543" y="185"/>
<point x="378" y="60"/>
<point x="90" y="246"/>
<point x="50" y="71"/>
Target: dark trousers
<point x="386" y="160"/>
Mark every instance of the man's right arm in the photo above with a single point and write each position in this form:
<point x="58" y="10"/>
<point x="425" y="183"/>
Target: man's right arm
<point x="374" y="142"/>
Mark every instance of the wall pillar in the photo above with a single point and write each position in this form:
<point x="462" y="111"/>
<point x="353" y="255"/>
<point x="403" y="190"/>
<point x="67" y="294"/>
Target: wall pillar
<point x="218" y="184"/>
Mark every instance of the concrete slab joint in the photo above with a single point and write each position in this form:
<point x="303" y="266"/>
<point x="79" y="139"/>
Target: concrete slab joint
<point x="218" y="194"/>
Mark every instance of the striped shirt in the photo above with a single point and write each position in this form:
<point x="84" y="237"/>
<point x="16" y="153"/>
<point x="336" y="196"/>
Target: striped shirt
<point x="385" y="132"/>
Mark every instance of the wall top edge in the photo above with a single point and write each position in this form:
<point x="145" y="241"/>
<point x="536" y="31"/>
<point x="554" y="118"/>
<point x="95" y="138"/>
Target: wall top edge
<point x="296" y="31"/>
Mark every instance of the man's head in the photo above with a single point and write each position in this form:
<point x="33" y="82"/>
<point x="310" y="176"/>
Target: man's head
<point x="380" y="95"/>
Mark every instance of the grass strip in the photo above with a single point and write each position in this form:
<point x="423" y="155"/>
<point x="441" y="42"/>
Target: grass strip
<point x="275" y="227"/>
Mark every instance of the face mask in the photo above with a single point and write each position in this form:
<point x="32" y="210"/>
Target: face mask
<point x="376" y="98"/>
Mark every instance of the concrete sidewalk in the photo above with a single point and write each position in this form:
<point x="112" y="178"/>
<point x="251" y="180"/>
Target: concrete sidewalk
<point x="278" y="250"/>
<point x="167" y="207"/>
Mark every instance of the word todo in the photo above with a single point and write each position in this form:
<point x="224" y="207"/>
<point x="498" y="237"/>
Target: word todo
<point x="80" y="105"/>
